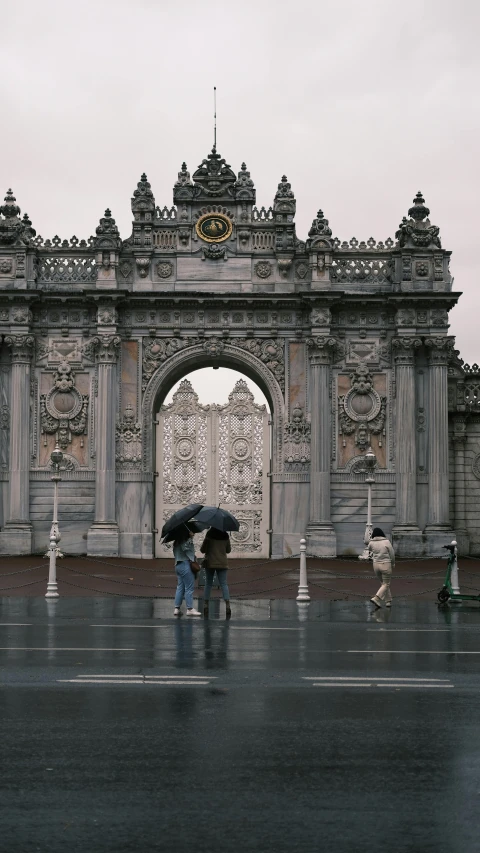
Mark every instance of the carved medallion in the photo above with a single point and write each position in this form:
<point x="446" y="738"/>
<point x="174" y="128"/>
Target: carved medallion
<point x="165" y="269"/>
<point x="214" y="227"/>
<point x="263" y="269"/>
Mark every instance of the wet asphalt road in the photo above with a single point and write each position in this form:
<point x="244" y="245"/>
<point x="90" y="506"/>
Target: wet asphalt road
<point x="123" y="729"/>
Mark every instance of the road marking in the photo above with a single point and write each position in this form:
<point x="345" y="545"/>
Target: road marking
<point x="15" y="624"/>
<point x="364" y="681"/>
<point x="342" y="684"/>
<point x="423" y="686"/>
<point x="130" y="626"/>
<point x="372" y="678"/>
<point x="121" y="681"/>
<point x="376" y="684"/>
<point x="416" y="630"/>
<point x="158" y="680"/>
<point x="402" y="652"/>
<point x="140" y="675"/>
<point x="255" y="628"/>
<point x="56" y="649"/>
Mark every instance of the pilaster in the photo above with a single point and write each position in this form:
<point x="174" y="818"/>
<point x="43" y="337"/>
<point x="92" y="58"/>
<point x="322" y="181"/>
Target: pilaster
<point x="320" y="530"/>
<point x="438" y="529"/>
<point x="16" y="536"/>
<point x="103" y="535"/>
<point x="407" y="536"/>
<point x="459" y="442"/>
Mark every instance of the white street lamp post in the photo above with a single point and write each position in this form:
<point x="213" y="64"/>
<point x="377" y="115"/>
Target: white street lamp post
<point x="54" y="551"/>
<point x="370" y="462"/>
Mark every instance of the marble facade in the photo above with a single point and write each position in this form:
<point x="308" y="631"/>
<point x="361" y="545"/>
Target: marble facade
<point x="348" y="341"/>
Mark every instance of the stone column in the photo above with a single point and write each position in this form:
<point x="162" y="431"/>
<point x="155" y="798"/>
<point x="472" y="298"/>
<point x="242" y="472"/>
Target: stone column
<point x="16" y="536"/>
<point x="438" y="529"/>
<point x="102" y="537"/>
<point x="459" y="442"/>
<point x="320" y="532"/>
<point x="407" y="536"/>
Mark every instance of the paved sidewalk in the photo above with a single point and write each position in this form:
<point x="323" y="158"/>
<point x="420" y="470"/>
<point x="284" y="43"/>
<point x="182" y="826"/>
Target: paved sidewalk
<point x="331" y="579"/>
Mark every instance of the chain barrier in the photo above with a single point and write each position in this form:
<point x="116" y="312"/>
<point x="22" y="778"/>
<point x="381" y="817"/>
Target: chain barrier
<point x="362" y="575"/>
<point x="113" y="580"/>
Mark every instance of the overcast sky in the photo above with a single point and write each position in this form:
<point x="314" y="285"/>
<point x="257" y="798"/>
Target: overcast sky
<point x="359" y="104"/>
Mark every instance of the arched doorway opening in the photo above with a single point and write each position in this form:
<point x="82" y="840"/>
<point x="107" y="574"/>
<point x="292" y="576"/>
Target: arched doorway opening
<point x="213" y="446"/>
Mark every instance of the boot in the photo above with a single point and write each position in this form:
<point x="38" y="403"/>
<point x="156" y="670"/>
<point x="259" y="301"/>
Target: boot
<point x="205" y="609"/>
<point x="228" y="611"/>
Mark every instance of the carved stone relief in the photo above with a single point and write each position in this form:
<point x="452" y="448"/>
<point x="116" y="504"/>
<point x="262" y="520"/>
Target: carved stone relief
<point x="128" y="438"/>
<point x="64" y="410"/>
<point x="296" y="438"/>
<point x="362" y="411"/>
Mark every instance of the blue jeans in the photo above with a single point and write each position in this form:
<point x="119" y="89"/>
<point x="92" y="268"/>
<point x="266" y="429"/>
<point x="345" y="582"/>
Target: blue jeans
<point x="185" y="585"/>
<point x="222" y="579"/>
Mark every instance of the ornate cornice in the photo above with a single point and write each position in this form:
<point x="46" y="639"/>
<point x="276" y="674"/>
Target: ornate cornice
<point x="22" y="348"/>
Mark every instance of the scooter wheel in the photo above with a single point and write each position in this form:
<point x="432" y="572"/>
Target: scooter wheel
<point x="443" y="595"/>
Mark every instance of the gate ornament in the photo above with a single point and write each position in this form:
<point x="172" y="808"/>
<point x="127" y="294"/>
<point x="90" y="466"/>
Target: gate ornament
<point x="128" y="440"/>
<point x="296" y="438"/>
<point x="214" y="227"/>
<point x="64" y="410"/>
<point x="362" y="410"/>
<point x="418" y="231"/>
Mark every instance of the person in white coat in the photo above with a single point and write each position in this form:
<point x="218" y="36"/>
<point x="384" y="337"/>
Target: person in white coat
<point x="383" y="557"/>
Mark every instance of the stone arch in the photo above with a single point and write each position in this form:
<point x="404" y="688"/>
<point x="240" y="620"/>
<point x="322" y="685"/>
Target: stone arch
<point x="195" y="356"/>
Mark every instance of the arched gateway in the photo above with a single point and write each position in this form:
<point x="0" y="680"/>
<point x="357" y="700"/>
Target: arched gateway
<point x="348" y="341"/>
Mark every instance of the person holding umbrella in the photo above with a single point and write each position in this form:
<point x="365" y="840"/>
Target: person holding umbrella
<point x="216" y="546"/>
<point x="184" y="553"/>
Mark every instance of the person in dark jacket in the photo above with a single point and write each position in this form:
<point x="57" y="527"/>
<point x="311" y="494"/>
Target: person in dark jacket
<point x="383" y="557"/>
<point x="216" y="546"/>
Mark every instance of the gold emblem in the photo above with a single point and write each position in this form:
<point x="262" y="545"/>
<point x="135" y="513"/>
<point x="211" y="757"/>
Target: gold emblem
<point x="214" y="227"/>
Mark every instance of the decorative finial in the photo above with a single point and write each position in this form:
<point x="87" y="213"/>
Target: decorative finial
<point x="418" y="211"/>
<point x="214" y="118"/>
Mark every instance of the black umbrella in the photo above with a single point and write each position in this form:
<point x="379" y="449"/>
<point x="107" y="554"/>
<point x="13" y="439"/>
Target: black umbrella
<point x="192" y="525"/>
<point x="180" y="517"/>
<point x="220" y="519"/>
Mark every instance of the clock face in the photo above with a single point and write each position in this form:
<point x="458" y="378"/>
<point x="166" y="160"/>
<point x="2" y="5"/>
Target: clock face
<point x="214" y="227"/>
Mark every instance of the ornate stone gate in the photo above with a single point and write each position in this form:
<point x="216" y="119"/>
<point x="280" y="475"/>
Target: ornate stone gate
<point x="216" y="455"/>
<point x="348" y="340"/>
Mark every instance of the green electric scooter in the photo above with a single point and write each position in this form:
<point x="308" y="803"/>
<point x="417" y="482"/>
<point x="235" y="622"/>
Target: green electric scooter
<point x="446" y="593"/>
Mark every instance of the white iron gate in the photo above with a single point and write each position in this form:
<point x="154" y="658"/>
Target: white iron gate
<point x="216" y="455"/>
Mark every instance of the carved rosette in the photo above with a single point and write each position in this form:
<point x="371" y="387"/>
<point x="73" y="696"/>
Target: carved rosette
<point x="22" y="348"/>
<point x="440" y="350"/>
<point x="320" y="317"/>
<point x="106" y="348"/>
<point x="404" y="350"/>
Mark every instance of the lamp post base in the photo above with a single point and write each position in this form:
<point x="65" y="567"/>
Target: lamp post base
<point x="52" y="590"/>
